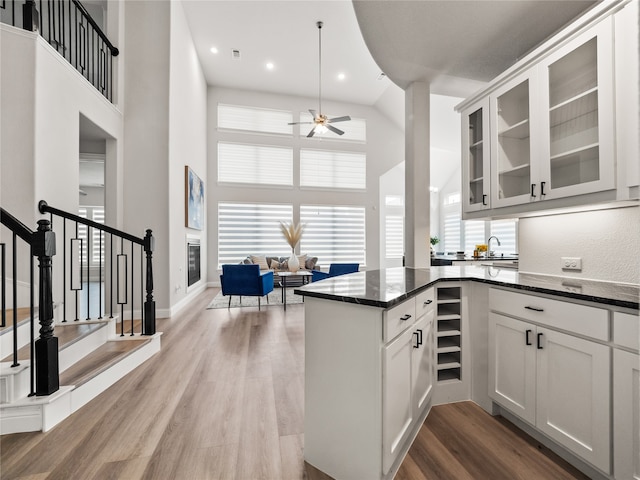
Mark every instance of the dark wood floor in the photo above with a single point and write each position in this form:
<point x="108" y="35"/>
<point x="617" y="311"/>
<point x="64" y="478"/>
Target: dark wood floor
<point x="224" y="400"/>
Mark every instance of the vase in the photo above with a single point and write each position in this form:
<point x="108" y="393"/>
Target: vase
<point x="294" y="264"/>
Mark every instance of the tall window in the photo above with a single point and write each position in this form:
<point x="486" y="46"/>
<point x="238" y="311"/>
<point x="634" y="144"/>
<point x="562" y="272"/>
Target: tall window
<point x="505" y="230"/>
<point x="452" y="232"/>
<point x="253" y="119"/>
<point x="473" y="235"/>
<point x="334" y="234"/>
<point x="255" y="164"/>
<point x="331" y="169"/>
<point x="97" y="242"/>
<point x="394" y="236"/>
<point x="251" y="229"/>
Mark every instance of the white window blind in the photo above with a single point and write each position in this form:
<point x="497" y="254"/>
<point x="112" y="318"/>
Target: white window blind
<point x="473" y="235"/>
<point x="505" y="230"/>
<point x="327" y="169"/>
<point x="394" y="236"/>
<point x="251" y="229"/>
<point x="255" y="164"/>
<point x="452" y="232"/>
<point x="354" y="129"/>
<point x="253" y="119"/>
<point x="97" y="215"/>
<point x="394" y="200"/>
<point x="334" y="234"/>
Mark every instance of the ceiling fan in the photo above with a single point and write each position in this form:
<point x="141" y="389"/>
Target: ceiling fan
<point x="321" y="123"/>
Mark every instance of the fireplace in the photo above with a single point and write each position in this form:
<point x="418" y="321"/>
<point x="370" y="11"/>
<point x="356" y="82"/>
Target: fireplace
<point x="193" y="261"/>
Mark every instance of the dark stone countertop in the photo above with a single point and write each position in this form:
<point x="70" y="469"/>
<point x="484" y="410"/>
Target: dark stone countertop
<point x="388" y="287"/>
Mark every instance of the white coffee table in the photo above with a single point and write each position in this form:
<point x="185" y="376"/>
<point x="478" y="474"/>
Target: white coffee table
<point x="306" y="276"/>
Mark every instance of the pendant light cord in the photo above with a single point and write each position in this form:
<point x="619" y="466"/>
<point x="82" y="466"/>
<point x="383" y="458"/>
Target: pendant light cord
<point x="319" y="24"/>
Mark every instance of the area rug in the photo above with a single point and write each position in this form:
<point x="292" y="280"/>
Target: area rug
<point x="275" y="299"/>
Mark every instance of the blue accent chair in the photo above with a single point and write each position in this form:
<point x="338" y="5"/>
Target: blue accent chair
<point x="335" y="269"/>
<point x="246" y="280"/>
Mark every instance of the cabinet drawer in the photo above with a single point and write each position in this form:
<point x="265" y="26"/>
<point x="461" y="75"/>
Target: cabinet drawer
<point x="425" y="302"/>
<point x="580" y="319"/>
<point x="626" y="330"/>
<point x="397" y="319"/>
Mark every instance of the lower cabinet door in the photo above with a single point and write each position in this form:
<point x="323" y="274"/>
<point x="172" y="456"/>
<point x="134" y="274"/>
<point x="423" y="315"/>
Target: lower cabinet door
<point x="422" y="363"/>
<point x="512" y="365"/>
<point x="626" y="415"/>
<point x="397" y="412"/>
<point x="573" y="395"/>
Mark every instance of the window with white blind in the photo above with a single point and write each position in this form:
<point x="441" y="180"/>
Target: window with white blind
<point x="394" y="236"/>
<point x="474" y="234"/>
<point x="505" y="230"/>
<point x="251" y="229"/>
<point x="334" y="234"/>
<point x="354" y="129"/>
<point x="97" y="242"/>
<point x="253" y="119"/>
<point x="452" y="229"/>
<point x="255" y="164"/>
<point x="330" y="169"/>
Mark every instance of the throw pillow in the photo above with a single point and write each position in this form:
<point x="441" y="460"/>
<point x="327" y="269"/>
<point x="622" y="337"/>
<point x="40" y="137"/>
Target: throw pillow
<point x="284" y="265"/>
<point x="310" y="264"/>
<point x="302" y="260"/>
<point x="247" y="261"/>
<point x="275" y="265"/>
<point x="261" y="261"/>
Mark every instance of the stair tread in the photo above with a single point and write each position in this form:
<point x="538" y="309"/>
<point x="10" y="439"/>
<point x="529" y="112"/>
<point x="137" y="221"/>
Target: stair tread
<point x="99" y="360"/>
<point x="21" y="314"/>
<point x="67" y="334"/>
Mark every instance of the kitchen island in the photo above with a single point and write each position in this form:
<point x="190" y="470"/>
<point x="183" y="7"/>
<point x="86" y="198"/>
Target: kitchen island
<point x="373" y="354"/>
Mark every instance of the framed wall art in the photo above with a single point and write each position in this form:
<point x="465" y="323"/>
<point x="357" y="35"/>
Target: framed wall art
<point x="194" y="202"/>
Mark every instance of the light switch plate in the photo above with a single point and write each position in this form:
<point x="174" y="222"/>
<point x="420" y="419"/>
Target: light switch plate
<point x="571" y="263"/>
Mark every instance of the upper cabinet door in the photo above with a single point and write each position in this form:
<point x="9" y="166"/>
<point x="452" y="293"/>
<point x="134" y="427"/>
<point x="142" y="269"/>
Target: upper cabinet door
<point x="513" y="118"/>
<point x="476" y="157"/>
<point x="576" y="88"/>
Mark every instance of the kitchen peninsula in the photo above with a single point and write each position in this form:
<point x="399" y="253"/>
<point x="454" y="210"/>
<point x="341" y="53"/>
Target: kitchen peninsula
<point x="382" y="346"/>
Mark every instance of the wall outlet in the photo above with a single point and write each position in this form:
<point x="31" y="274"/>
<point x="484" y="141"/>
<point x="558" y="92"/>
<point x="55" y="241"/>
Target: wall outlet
<point x="571" y="263"/>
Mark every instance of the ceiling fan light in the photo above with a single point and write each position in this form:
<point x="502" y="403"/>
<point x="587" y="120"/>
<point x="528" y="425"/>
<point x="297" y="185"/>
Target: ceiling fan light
<point x="321" y="129"/>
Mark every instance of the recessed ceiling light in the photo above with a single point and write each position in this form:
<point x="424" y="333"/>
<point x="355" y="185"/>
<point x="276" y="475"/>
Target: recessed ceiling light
<point x="341" y="76"/>
<point x="270" y="66"/>
<point x="213" y="50"/>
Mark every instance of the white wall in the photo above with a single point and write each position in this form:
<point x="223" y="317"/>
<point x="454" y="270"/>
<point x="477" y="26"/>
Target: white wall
<point x="384" y="149"/>
<point x="187" y="146"/>
<point x="608" y="241"/>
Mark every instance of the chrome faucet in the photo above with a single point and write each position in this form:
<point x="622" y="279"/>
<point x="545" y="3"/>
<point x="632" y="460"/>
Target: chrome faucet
<point x="489" y="244"/>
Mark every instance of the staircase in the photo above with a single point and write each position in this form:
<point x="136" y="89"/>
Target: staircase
<point x="92" y="356"/>
<point x="52" y="363"/>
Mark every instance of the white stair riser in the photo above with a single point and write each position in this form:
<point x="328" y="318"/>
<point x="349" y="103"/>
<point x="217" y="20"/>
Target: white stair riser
<point x="83" y="347"/>
<point x="15" y="382"/>
<point x="6" y="339"/>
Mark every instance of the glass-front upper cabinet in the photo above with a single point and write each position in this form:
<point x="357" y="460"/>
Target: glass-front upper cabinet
<point x="577" y="93"/>
<point x="513" y="116"/>
<point x="475" y="148"/>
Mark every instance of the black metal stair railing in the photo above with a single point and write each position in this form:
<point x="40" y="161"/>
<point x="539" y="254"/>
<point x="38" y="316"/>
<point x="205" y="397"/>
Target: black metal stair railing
<point x="44" y="350"/>
<point x="70" y="29"/>
<point x="117" y="263"/>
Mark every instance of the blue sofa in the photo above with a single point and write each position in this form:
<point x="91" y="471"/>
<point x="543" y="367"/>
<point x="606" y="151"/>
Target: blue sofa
<point x="335" y="269"/>
<point x="246" y="280"/>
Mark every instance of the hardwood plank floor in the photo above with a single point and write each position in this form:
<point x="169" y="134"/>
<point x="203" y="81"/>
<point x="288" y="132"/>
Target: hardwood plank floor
<point x="224" y="399"/>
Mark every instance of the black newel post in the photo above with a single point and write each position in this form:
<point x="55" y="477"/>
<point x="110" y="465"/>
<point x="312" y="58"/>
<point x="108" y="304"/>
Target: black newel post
<point x="47" y="372"/>
<point x="149" y="304"/>
<point x="30" y="16"/>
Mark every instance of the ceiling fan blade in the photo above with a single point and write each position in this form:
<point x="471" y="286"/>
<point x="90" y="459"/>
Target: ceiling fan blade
<point x="334" y="129"/>
<point x="340" y="119"/>
<point x="313" y="130"/>
<point x="313" y="113"/>
<point x="301" y="123"/>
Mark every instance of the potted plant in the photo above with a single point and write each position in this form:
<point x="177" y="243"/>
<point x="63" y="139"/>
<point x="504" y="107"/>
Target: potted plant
<point x="434" y="241"/>
<point x="292" y="232"/>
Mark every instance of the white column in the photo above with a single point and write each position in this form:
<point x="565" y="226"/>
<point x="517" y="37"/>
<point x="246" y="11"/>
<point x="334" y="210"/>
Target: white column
<point x="417" y="177"/>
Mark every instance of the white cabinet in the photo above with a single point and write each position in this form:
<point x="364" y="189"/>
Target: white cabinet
<point x="408" y="366"/>
<point x="576" y="86"/>
<point x="557" y="382"/>
<point x="476" y="157"/>
<point x="626" y="396"/>
<point x="513" y="116"/>
<point x="626" y="415"/>
<point x="551" y="128"/>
